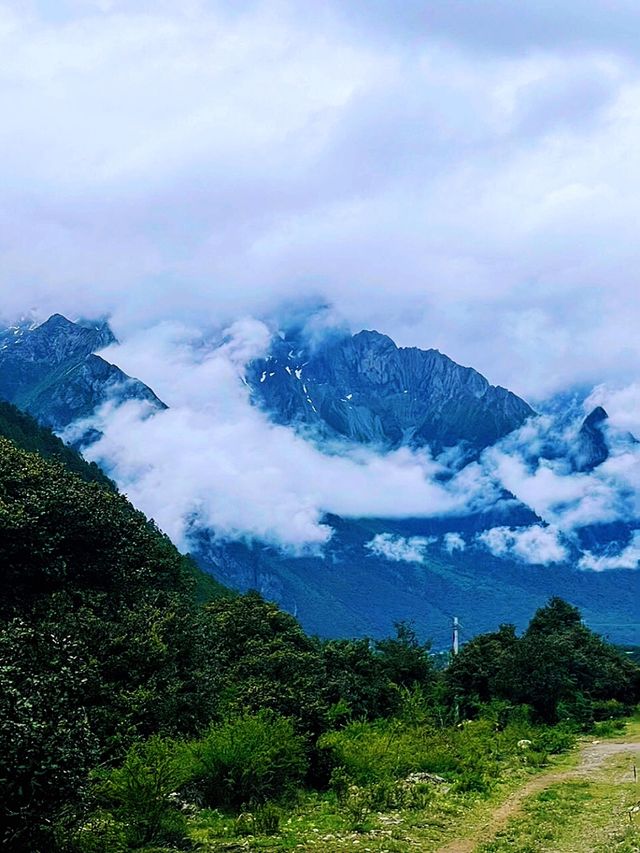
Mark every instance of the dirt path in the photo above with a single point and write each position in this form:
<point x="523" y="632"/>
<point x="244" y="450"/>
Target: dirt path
<point x="592" y="757"/>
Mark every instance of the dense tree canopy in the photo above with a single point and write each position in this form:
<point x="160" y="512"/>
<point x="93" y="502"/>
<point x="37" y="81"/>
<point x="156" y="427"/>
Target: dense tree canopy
<point x="98" y="633"/>
<point x="27" y="434"/>
<point x="558" y="667"/>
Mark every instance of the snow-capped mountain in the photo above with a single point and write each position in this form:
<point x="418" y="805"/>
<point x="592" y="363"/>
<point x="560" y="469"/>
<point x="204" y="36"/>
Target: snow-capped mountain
<point x="365" y="388"/>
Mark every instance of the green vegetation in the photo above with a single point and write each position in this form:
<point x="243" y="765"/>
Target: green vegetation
<point x="27" y="433"/>
<point x="560" y="668"/>
<point x="133" y="716"/>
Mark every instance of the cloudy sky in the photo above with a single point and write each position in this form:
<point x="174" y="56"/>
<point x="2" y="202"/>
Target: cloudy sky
<point x="461" y="174"/>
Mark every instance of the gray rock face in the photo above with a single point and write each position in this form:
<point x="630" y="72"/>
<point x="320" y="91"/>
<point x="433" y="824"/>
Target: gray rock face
<point x="367" y="389"/>
<point x="51" y="371"/>
<point x="592" y="449"/>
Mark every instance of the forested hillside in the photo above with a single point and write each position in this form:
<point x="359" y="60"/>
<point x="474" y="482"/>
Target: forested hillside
<point x="27" y="433"/>
<point x="134" y="718"/>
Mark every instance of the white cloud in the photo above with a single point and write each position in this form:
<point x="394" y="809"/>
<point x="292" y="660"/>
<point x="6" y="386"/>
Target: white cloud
<point x="215" y="457"/>
<point x="549" y="486"/>
<point x="453" y="542"/>
<point x="622" y="404"/>
<point x="536" y="545"/>
<point x="206" y="160"/>
<point x="628" y="558"/>
<point x="412" y="549"/>
<point x="449" y="178"/>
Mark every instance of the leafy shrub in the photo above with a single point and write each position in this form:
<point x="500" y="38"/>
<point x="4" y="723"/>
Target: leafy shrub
<point x="376" y="755"/>
<point x="101" y="833"/>
<point x="250" y="760"/>
<point x="554" y="740"/>
<point x="369" y="751"/>
<point x="243" y="825"/>
<point x="142" y="793"/>
<point x="264" y="821"/>
<point x="357" y="806"/>
<point x="608" y="728"/>
<point x="535" y="758"/>
<point x="339" y="783"/>
<point x="390" y="749"/>
<point x="478" y="780"/>
<point x="608" y="709"/>
<point x="267" y="819"/>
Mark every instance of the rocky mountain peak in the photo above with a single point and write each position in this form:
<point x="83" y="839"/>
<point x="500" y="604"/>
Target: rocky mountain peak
<point x="592" y="449"/>
<point x="52" y="371"/>
<point x="595" y="418"/>
<point x="367" y="389"/>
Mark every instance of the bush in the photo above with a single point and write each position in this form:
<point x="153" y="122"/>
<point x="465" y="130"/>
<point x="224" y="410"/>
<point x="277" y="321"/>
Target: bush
<point x="608" y="728"/>
<point x="249" y="760"/>
<point x="476" y="780"/>
<point x="101" y="833"/>
<point x="142" y="794"/>
<point x="357" y="806"/>
<point x="267" y="819"/>
<point x="608" y="709"/>
<point x="264" y="821"/>
<point x="554" y="740"/>
<point x="376" y="755"/>
<point x="368" y="752"/>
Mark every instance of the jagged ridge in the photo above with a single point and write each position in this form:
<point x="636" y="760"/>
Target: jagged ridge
<point x="366" y="389"/>
<point x="52" y="372"/>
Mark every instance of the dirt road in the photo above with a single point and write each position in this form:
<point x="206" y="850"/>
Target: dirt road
<point x="592" y="757"/>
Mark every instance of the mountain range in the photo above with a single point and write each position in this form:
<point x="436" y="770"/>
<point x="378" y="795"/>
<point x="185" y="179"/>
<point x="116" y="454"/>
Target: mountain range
<point x="355" y="390"/>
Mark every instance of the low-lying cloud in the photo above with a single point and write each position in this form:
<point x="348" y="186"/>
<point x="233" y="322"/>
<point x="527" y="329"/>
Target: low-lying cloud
<point x="627" y="558"/>
<point x="536" y="545"/>
<point x="412" y="549"/>
<point x="214" y="460"/>
<point x="453" y="542"/>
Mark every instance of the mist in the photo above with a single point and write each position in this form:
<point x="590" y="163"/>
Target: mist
<point x="214" y="460"/>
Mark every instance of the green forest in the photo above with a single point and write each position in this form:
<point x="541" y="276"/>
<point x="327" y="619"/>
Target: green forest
<point x="145" y="707"/>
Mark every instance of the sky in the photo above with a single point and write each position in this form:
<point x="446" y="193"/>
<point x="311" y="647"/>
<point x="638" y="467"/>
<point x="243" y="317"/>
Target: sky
<point x="458" y="174"/>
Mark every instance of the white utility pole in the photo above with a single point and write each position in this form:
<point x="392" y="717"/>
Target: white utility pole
<point x="456" y="635"/>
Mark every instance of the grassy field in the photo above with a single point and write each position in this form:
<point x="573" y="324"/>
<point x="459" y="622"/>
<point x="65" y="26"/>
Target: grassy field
<point x="580" y="801"/>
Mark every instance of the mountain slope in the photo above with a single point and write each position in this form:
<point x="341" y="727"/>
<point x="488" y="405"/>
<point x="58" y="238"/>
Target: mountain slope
<point x="353" y="589"/>
<point x="51" y="371"/>
<point x="27" y="434"/>
<point x="24" y="432"/>
<point x="373" y="571"/>
<point x="367" y="389"/>
<point x="98" y="639"/>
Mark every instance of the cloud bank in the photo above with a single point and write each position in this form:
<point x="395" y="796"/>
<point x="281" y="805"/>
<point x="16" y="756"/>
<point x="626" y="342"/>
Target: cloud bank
<point x="458" y="175"/>
<point x="214" y="460"/>
<point x="536" y="544"/>
<point x="446" y="172"/>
